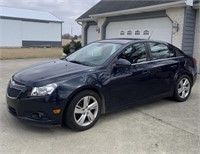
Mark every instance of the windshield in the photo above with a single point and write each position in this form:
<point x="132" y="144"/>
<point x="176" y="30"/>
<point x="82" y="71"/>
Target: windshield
<point x="94" y="54"/>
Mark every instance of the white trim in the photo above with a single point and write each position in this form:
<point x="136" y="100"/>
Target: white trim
<point x="189" y="2"/>
<point x="85" y="19"/>
<point x="139" y="10"/>
<point x="196" y="6"/>
<point x="157" y="60"/>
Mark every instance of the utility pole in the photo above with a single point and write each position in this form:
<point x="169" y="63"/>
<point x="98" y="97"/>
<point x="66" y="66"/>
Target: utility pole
<point x="71" y="31"/>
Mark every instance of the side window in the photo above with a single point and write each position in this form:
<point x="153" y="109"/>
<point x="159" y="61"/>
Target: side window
<point x="178" y="52"/>
<point x="135" y="53"/>
<point x="161" y="51"/>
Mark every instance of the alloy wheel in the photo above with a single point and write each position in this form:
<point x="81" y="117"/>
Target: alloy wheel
<point x="86" y="111"/>
<point x="183" y="88"/>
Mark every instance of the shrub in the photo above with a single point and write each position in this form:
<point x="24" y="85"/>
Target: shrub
<point x="78" y="45"/>
<point x="66" y="48"/>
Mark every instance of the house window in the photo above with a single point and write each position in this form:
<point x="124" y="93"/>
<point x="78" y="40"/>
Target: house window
<point x="129" y="32"/>
<point x="146" y="32"/>
<point x="137" y="32"/>
<point x="122" y="32"/>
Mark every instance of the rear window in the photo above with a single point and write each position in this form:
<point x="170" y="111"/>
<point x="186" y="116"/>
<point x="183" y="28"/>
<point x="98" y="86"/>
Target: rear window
<point x="161" y="51"/>
<point x="178" y="52"/>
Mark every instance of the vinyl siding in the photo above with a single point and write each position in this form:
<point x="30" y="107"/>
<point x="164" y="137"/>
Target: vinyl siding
<point x="189" y="30"/>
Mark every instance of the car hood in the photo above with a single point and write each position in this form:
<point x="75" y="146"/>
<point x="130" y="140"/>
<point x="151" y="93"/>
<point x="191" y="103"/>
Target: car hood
<point x="50" y="72"/>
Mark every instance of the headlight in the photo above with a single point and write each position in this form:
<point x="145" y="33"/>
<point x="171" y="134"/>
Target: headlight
<point x="45" y="90"/>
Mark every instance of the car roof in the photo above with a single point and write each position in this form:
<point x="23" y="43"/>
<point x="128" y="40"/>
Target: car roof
<point x="126" y="40"/>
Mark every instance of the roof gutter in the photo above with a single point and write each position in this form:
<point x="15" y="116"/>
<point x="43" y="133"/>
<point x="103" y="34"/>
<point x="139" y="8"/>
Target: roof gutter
<point x="139" y="10"/>
<point x="85" y="19"/>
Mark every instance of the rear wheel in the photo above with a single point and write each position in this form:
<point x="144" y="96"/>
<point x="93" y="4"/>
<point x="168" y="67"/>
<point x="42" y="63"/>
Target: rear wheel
<point x="83" y="111"/>
<point x="183" y="88"/>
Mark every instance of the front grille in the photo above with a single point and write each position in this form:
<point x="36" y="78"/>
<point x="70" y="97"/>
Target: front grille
<point x="14" y="88"/>
<point x="12" y="111"/>
<point x="12" y="92"/>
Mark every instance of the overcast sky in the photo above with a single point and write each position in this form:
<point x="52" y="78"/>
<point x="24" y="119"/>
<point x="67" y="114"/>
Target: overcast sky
<point x="67" y="10"/>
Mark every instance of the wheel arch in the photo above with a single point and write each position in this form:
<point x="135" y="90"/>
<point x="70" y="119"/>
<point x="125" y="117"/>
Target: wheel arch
<point x="85" y="88"/>
<point x="188" y="74"/>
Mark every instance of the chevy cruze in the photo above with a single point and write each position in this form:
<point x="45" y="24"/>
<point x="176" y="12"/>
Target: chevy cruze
<point x="101" y="77"/>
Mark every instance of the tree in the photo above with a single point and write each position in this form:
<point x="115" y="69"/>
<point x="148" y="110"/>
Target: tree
<point x="66" y="36"/>
<point x="75" y="37"/>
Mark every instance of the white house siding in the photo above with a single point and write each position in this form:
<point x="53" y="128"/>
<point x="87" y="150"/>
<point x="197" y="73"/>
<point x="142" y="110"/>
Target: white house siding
<point x="10" y="33"/>
<point x="36" y="31"/>
<point x="159" y="29"/>
<point x="197" y="41"/>
<point x="14" y="32"/>
<point x="177" y="14"/>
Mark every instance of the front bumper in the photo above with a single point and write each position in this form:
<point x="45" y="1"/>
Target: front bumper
<point x="35" y="111"/>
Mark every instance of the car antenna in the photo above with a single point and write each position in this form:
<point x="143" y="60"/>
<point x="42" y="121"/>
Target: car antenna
<point x="150" y="35"/>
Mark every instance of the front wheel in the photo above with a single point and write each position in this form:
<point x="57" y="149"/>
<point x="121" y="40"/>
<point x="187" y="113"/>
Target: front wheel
<point x="83" y="111"/>
<point x="183" y="88"/>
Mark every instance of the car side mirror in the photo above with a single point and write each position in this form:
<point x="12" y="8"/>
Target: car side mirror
<point x="122" y="63"/>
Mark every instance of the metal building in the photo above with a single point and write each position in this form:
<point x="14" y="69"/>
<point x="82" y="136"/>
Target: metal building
<point x="29" y="28"/>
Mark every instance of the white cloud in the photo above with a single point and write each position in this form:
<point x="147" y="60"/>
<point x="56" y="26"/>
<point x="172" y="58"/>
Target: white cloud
<point x="67" y="10"/>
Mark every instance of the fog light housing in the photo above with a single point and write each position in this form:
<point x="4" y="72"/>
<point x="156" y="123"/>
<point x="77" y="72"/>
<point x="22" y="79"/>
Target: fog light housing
<point x="38" y="115"/>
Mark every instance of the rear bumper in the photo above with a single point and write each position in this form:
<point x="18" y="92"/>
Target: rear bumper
<point x="194" y="78"/>
<point x="35" y="111"/>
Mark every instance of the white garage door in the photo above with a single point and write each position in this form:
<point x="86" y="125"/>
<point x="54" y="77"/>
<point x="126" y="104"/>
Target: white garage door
<point x="91" y="34"/>
<point x="158" y="28"/>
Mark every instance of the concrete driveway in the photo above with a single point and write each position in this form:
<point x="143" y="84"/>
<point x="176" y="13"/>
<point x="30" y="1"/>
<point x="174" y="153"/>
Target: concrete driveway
<point x="159" y="127"/>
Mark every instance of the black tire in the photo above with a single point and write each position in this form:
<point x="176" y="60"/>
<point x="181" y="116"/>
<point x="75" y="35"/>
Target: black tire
<point x="177" y="94"/>
<point x="71" y="117"/>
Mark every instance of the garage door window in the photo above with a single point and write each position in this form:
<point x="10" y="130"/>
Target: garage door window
<point x="146" y="32"/>
<point x="161" y="51"/>
<point x="137" y="32"/>
<point x="129" y="32"/>
<point x="135" y="53"/>
<point x="122" y="32"/>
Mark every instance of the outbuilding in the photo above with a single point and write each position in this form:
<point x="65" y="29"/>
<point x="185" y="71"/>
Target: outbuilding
<point x="29" y="28"/>
<point x="173" y="21"/>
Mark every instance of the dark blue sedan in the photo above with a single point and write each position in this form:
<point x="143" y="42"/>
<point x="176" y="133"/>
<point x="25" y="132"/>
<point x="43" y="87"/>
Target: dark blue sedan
<point x="101" y="77"/>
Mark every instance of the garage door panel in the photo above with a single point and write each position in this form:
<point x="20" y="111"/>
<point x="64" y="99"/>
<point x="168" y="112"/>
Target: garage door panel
<point x="91" y="34"/>
<point x="159" y="29"/>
